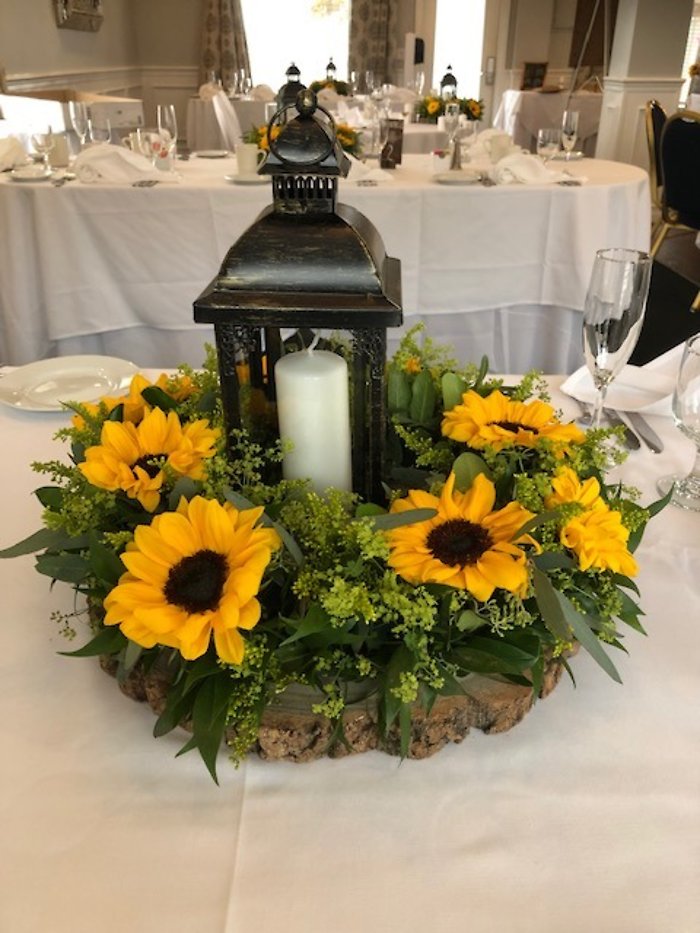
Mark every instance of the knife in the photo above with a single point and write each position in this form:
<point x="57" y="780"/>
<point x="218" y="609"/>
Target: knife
<point x="631" y="439"/>
<point x="643" y="429"/>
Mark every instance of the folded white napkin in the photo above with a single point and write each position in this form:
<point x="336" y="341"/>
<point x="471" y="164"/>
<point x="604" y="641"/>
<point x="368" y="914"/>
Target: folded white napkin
<point x="402" y="95"/>
<point x="12" y="153"/>
<point x="525" y="169"/>
<point x="262" y="92"/>
<point x="116" y="164"/>
<point x="491" y="145"/>
<point x="647" y="388"/>
<point x="361" y="172"/>
<point x="209" y="91"/>
<point x="328" y="98"/>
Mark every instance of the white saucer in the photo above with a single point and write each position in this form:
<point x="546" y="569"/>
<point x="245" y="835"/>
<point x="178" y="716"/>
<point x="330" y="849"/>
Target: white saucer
<point x="253" y="179"/>
<point x="44" y="385"/>
<point x="30" y="173"/>
<point x="458" y="177"/>
<point x="573" y="156"/>
<point x="212" y="154"/>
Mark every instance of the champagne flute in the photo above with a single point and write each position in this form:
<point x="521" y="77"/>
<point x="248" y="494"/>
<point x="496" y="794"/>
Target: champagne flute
<point x="43" y="143"/>
<point x="99" y="132"/>
<point x="569" y="131"/>
<point x="686" y="414"/>
<point x="79" y="119"/>
<point x="613" y="314"/>
<point x="167" y="127"/>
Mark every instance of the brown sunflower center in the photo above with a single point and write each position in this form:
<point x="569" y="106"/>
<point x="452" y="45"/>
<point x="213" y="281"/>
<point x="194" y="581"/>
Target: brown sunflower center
<point x="147" y="464"/>
<point x="458" y="542"/>
<point x="514" y="426"/>
<point x="196" y="583"/>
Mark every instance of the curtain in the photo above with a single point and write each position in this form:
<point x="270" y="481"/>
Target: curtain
<point x="224" y="46"/>
<point x="375" y="43"/>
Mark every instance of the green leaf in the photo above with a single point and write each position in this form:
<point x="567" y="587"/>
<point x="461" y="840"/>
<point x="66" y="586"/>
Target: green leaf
<point x="398" y="391"/>
<point x="466" y="468"/>
<point x="483" y="371"/>
<point x="365" y="509"/>
<point x="548" y="604"/>
<point x="469" y="621"/>
<point x="586" y="638"/>
<point x="401" y="661"/>
<point x="316" y="620"/>
<point x="656" y="507"/>
<point x="108" y="640"/>
<point x="492" y="656"/>
<point x="453" y="388"/>
<point x="553" y="560"/>
<point x="157" y="398"/>
<point x="396" y="519"/>
<point x="183" y="487"/>
<point x="620" y="580"/>
<point x="131" y="655"/>
<point x="177" y="708"/>
<point x="44" y="539"/>
<point x="69" y="568"/>
<point x="51" y="497"/>
<point x="405" y="728"/>
<point x="209" y="715"/>
<point x="540" y="519"/>
<point x="105" y="563"/>
<point x="423" y="398"/>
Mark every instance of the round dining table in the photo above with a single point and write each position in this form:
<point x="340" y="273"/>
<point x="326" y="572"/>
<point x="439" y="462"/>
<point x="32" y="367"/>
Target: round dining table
<point x="500" y="270"/>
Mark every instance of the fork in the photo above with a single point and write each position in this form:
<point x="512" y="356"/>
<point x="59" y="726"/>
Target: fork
<point x="144" y="183"/>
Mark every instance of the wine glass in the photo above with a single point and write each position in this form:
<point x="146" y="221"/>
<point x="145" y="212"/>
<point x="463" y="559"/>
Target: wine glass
<point x="686" y="414"/>
<point x="99" y="132"/>
<point x="569" y="131"/>
<point x="43" y="143"/>
<point x="613" y="314"/>
<point x="167" y="127"/>
<point x="79" y="119"/>
<point x="369" y="83"/>
<point x="451" y="126"/>
<point x="548" y="140"/>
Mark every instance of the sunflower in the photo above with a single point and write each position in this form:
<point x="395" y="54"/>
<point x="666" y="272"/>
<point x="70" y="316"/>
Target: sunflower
<point x="135" y="406"/>
<point x="191" y="573"/>
<point x="466" y="545"/>
<point x="596" y="535"/>
<point x="497" y="422"/>
<point x="130" y="457"/>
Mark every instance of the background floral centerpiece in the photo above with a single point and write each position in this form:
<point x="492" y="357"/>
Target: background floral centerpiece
<point x="348" y="137"/>
<point x="217" y="586"/>
<point x="342" y="88"/>
<point x="431" y="107"/>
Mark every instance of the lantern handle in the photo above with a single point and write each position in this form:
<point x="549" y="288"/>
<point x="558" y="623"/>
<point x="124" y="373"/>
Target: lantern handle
<point x="306" y="105"/>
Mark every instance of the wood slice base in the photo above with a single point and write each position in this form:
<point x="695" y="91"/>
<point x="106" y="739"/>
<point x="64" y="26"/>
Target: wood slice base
<point x="289" y="731"/>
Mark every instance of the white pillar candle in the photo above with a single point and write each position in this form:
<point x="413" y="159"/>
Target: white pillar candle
<point x="313" y="408"/>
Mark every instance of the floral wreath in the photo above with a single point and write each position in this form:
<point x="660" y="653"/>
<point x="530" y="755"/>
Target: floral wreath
<point x="500" y="548"/>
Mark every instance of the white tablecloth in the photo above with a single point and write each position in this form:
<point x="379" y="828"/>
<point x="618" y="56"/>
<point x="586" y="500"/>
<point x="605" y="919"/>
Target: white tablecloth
<point x="585" y="817"/>
<point x="523" y="113"/>
<point x="203" y="130"/>
<point x="502" y="270"/>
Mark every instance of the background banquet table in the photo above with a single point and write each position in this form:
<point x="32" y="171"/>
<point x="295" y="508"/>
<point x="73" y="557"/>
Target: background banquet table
<point x="498" y="270"/>
<point x="585" y="817"/>
<point x="203" y="131"/>
<point x="523" y="113"/>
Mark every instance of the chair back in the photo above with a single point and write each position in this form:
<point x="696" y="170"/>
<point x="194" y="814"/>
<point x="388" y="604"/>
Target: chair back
<point x="655" y="119"/>
<point x="680" y="159"/>
<point x="229" y="123"/>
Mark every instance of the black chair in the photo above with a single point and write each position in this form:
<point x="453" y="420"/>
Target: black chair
<point x="680" y="177"/>
<point x="655" y="117"/>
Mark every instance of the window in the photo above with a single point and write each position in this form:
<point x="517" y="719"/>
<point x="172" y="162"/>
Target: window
<point x="306" y="32"/>
<point x="459" y="39"/>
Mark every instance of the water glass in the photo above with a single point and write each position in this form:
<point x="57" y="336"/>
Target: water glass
<point x="167" y="129"/>
<point x="548" y="142"/>
<point x="686" y="414"/>
<point x="569" y="131"/>
<point x="79" y="119"/>
<point x="99" y="131"/>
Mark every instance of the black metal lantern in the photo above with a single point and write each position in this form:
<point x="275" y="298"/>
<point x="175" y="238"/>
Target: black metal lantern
<point x="289" y="92"/>
<point x="330" y="70"/>
<point x="448" y="84"/>
<point x="307" y="264"/>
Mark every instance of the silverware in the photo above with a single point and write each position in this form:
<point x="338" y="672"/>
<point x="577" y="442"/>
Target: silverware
<point x="631" y="440"/>
<point x="645" y="431"/>
<point x="145" y="183"/>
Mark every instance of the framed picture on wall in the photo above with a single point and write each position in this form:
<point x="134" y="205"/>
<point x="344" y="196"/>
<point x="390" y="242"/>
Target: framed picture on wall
<point x="534" y="74"/>
<point x="79" y="14"/>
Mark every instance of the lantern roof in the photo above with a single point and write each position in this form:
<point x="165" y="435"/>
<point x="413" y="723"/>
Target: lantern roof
<point x="448" y="79"/>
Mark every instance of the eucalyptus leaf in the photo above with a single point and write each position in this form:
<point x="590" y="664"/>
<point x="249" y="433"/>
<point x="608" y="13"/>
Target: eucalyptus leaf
<point x="423" y="398"/>
<point x="541" y="518"/>
<point x="398" y="391"/>
<point x="131" y="655"/>
<point x="392" y="520"/>
<point x="401" y="661"/>
<point x="553" y="560"/>
<point x="45" y="539"/>
<point x="453" y="388"/>
<point x="108" y="640"/>
<point x="209" y="715"/>
<point x="621" y="580"/>
<point x="69" y="568"/>
<point x="466" y="468"/>
<point x="586" y="638"/>
<point x="104" y="562"/>
<point x="183" y="487"/>
<point x="549" y="605"/>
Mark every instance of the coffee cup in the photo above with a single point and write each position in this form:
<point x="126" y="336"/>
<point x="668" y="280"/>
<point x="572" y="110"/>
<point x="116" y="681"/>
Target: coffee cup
<point x="248" y="157"/>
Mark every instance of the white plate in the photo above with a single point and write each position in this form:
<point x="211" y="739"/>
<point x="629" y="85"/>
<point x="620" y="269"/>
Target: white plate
<point x="247" y="179"/>
<point x="561" y="156"/>
<point x="43" y="385"/>
<point x="212" y="154"/>
<point x="461" y="177"/>
<point x="30" y="173"/>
